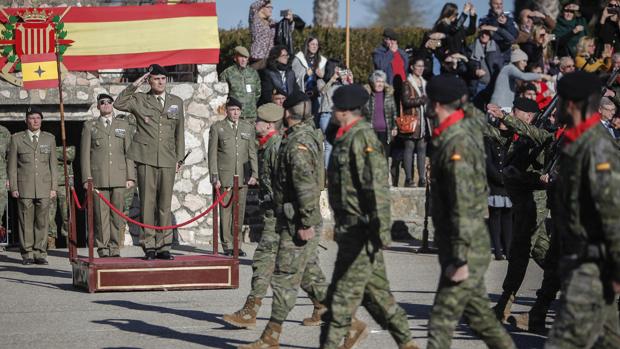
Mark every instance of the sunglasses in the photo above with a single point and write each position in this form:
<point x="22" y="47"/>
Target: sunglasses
<point x="570" y="11"/>
<point x="105" y="101"/>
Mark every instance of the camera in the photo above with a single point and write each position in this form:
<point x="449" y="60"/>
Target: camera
<point x="614" y="10"/>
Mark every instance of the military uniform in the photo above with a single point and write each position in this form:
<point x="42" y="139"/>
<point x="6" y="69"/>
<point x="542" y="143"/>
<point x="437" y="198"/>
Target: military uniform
<point x="232" y="152"/>
<point x="243" y="85"/>
<point x="157" y="147"/>
<point x="359" y="195"/>
<point x="32" y="171"/>
<point x="61" y="195"/>
<point x="5" y="140"/>
<point x="104" y="146"/>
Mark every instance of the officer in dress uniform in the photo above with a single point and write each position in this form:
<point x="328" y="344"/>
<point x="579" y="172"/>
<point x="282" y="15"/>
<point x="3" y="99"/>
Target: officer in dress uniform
<point x="32" y="180"/>
<point x="158" y="147"/>
<point x="104" y="146"/>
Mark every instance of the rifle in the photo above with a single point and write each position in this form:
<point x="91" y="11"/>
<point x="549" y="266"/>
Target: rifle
<point x="427" y="212"/>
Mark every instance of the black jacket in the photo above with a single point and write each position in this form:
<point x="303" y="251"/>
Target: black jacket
<point x="271" y="79"/>
<point x="496" y="154"/>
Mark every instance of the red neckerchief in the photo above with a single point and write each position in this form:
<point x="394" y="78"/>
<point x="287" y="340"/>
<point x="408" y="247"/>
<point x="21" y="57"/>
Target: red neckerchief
<point x="574" y="133"/>
<point x="449" y="121"/>
<point x="266" y="138"/>
<point x="559" y="132"/>
<point x="515" y="137"/>
<point x="344" y="129"/>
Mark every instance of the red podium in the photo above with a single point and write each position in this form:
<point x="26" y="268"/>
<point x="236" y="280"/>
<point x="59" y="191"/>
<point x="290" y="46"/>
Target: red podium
<point x="187" y="272"/>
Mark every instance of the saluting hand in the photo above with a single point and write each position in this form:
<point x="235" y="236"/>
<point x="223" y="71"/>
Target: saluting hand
<point x="141" y="80"/>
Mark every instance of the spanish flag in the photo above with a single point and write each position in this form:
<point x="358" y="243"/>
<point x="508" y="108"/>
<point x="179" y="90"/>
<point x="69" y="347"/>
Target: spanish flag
<point x="39" y="71"/>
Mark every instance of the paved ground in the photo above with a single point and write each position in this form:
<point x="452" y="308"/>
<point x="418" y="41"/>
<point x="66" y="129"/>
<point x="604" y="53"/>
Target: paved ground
<point x="39" y="308"/>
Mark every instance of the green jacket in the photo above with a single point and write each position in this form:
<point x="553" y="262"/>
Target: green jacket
<point x="459" y="195"/>
<point x="160" y="131"/>
<point x="587" y="196"/>
<point x="61" y="166"/>
<point x="390" y="110"/>
<point x="5" y="140"/>
<point x="297" y="183"/>
<point x="32" y="171"/>
<point x="267" y="162"/>
<point x="358" y="187"/>
<point x="232" y="153"/>
<point x="245" y="86"/>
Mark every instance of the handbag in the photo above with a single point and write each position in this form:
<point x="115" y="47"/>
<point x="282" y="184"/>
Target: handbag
<point x="406" y="124"/>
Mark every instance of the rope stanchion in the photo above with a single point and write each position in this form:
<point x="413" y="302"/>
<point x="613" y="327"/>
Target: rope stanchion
<point x="77" y="200"/>
<point x="148" y="226"/>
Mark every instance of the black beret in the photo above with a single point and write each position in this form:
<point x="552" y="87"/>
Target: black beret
<point x="34" y="110"/>
<point x="350" y="97"/>
<point x="294" y="99"/>
<point x="156" y="69"/>
<point x="390" y="33"/>
<point x="446" y="88"/>
<point x="525" y="104"/>
<point x="104" y="96"/>
<point x="579" y="85"/>
<point x="233" y="102"/>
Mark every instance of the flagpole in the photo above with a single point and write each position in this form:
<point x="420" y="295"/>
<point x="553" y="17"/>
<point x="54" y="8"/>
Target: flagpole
<point x="348" y="35"/>
<point x="63" y="137"/>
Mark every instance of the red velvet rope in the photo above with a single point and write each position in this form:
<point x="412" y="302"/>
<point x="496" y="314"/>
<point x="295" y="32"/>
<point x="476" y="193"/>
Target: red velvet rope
<point x="76" y="200"/>
<point x="232" y="198"/>
<point x="148" y="226"/>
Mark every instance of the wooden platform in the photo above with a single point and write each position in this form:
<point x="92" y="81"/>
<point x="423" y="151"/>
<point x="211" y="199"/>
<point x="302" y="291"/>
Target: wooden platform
<point x="190" y="272"/>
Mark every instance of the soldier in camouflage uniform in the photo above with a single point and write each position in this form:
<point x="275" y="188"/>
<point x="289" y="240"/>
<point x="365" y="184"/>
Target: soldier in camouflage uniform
<point x="359" y="195"/>
<point x="5" y="139"/>
<point x="243" y="83"/>
<point x="586" y="195"/>
<point x="460" y="192"/>
<point x="61" y="197"/>
<point x="297" y="186"/>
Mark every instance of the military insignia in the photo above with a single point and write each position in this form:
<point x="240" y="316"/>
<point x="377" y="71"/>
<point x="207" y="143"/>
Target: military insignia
<point x="119" y="132"/>
<point x="173" y="109"/>
<point x="30" y="32"/>
<point x="302" y="147"/>
<point x="369" y="149"/>
<point x="147" y="119"/>
<point x="456" y="157"/>
<point x="44" y="148"/>
<point x="245" y="135"/>
<point x="603" y="166"/>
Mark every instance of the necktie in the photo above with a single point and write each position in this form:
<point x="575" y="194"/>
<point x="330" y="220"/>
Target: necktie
<point x="107" y="123"/>
<point x="235" y="127"/>
<point x="35" y="140"/>
<point x="161" y="100"/>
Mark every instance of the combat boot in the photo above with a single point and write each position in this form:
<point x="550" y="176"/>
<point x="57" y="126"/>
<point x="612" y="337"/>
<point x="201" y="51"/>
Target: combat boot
<point x="315" y="319"/>
<point x="270" y="339"/>
<point x="528" y="322"/>
<point x="357" y="333"/>
<point x="502" y="308"/>
<point x="246" y="317"/>
<point x="409" y="345"/>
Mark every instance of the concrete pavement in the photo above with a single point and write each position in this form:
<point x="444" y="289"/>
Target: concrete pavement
<point x="39" y="308"/>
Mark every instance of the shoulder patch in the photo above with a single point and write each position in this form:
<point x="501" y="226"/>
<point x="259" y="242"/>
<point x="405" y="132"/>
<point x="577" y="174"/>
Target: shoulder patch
<point x="603" y="166"/>
<point x="456" y="157"/>
<point x="369" y="149"/>
<point x="302" y="147"/>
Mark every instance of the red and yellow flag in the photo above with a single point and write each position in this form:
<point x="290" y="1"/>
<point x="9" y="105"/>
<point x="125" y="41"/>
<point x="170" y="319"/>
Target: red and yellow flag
<point x="39" y="71"/>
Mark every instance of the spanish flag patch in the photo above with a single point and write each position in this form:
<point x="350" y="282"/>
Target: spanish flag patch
<point x="603" y="166"/>
<point x="369" y="149"/>
<point x="302" y="147"/>
<point x="456" y="157"/>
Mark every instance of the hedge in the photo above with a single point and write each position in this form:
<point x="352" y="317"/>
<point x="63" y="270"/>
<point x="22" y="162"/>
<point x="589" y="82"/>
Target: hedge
<point x="332" y="41"/>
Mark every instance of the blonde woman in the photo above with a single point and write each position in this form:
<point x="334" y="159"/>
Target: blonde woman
<point x="586" y="60"/>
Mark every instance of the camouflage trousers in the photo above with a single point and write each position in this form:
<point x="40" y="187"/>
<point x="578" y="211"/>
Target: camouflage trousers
<point x="529" y="236"/>
<point x="264" y="261"/>
<point x="551" y="283"/>
<point x="468" y="298"/>
<point x="588" y="314"/>
<point x="297" y="264"/>
<point x="360" y="278"/>
<point x="59" y="204"/>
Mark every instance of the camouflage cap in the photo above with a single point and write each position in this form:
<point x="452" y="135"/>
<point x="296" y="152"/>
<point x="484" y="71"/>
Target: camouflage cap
<point x="270" y="112"/>
<point x="242" y="51"/>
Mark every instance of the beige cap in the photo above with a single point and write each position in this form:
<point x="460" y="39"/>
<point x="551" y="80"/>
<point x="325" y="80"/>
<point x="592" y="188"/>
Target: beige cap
<point x="242" y="51"/>
<point x="270" y="112"/>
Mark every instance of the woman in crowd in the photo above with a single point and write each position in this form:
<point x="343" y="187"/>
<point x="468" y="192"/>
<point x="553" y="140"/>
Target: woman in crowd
<point x="277" y="75"/>
<point x="506" y="83"/>
<point x="586" y="56"/>
<point x="263" y="32"/>
<point x="544" y="94"/>
<point x="380" y="110"/>
<point x="536" y="46"/>
<point x="414" y="103"/>
<point x="452" y="25"/>
<point x="569" y="29"/>
<point x="485" y="62"/>
<point x="336" y="75"/>
<point x="309" y="66"/>
<point x="609" y="25"/>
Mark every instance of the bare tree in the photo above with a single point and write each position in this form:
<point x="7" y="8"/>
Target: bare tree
<point x="326" y="13"/>
<point x="396" y="13"/>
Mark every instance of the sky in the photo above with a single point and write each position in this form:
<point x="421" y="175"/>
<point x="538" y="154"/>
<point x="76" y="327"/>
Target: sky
<point x="232" y="13"/>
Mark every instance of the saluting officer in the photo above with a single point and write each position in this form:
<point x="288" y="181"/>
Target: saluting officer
<point x="158" y="147"/>
<point x="104" y="146"/>
<point x="32" y="181"/>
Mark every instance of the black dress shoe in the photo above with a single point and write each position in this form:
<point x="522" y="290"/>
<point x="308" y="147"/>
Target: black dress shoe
<point x="41" y="261"/>
<point x="28" y="261"/>
<point x="149" y="255"/>
<point x="228" y="253"/>
<point x="165" y="255"/>
<point x="242" y="253"/>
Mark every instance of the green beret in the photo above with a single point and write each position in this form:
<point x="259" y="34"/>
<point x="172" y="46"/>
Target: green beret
<point x="242" y="51"/>
<point x="579" y="85"/>
<point x="270" y="112"/>
<point x="445" y="89"/>
<point x="350" y="97"/>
